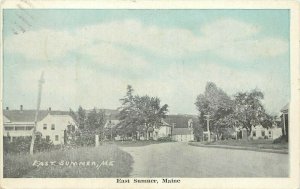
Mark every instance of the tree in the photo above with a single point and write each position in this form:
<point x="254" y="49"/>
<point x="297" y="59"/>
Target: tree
<point x="149" y="111"/>
<point x="79" y="117"/>
<point x="95" y="120"/>
<point x="138" y="113"/>
<point x="89" y="125"/>
<point x="249" y="110"/>
<point x="217" y="104"/>
<point x="128" y="113"/>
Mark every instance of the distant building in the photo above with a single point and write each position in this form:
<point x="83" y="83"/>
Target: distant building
<point x="54" y="125"/>
<point x="161" y="131"/>
<point x="259" y="132"/>
<point x="285" y="119"/>
<point x="182" y="127"/>
<point x="50" y="124"/>
<point x="182" y="134"/>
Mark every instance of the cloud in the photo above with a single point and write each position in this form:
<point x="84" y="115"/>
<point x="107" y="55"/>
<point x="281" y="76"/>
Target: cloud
<point x="118" y="45"/>
<point x="228" y="29"/>
<point x="178" y="86"/>
<point x="71" y="86"/>
<point x="43" y="44"/>
<point x="227" y="38"/>
<point x="114" y="56"/>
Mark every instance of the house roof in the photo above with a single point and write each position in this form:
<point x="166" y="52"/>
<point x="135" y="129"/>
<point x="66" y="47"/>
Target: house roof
<point x="180" y="121"/>
<point x="285" y="108"/>
<point x="29" y="115"/>
<point x="181" y="131"/>
<point x="111" y="123"/>
<point x="109" y="113"/>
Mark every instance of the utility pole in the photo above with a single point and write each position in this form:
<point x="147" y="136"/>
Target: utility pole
<point x="207" y="120"/>
<point x="40" y="84"/>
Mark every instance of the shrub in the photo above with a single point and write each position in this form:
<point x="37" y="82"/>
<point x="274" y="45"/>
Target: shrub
<point x="41" y="144"/>
<point x="86" y="137"/>
<point x="21" y="145"/>
<point x="18" y="145"/>
<point x="281" y="139"/>
<point x="164" y="139"/>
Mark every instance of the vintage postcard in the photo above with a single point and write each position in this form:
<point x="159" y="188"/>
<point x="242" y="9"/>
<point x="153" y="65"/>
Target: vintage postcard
<point x="149" y="94"/>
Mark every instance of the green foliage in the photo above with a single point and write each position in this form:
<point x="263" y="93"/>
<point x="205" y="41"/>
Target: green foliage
<point x="217" y="104"/>
<point x="250" y="111"/>
<point x="21" y="145"/>
<point x="244" y="110"/>
<point x="140" y="112"/>
<point x="85" y="138"/>
<point x="95" y="120"/>
<point x="79" y="117"/>
<point x="281" y="140"/>
<point x="90" y="124"/>
<point x="164" y="139"/>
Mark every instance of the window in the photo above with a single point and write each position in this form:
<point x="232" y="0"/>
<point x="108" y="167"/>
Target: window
<point x="254" y="133"/>
<point x="19" y="128"/>
<point x="262" y="133"/>
<point x="270" y="132"/>
<point x="9" y="128"/>
<point x="45" y="126"/>
<point x="47" y="138"/>
<point x="71" y="128"/>
<point x="53" y="127"/>
<point x="29" y="127"/>
<point x="56" y="137"/>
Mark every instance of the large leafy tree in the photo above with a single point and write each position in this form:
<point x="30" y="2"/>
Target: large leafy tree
<point x="150" y="113"/>
<point x="95" y="120"/>
<point x="79" y="117"/>
<point x="249" y="110"/>
<point x="216" y="103"/>
<point x="89" y="125"/>
<point x="138" y="113"/>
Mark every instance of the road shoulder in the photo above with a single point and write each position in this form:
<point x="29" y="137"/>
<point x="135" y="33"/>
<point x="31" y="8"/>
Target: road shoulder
<point x="279" y="151"/>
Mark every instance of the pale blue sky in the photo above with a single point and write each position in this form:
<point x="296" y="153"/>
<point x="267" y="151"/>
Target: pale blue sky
<point x="89" y="56"/>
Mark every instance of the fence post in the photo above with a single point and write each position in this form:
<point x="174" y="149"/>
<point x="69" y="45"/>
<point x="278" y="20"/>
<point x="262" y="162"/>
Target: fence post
<point x="96" y="140"/>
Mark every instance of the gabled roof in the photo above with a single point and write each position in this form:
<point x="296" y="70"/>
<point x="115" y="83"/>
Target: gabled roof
<point x="29" y="115"/>
<point x="285" y="108"/>
<point x="109" y="113"/>
<point x="181" y="131"/>
<point x="180" y="121"/>
<point x="111" y="123"/>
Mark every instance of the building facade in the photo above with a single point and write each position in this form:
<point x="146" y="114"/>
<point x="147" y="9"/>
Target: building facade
<point x="53" y="127"/>
<point x="182" y="127"/>
<point x="259" y="132"/>
<point x="50" y="124"/>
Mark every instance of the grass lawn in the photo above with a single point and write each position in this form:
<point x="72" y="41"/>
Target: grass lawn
<point x="85" y="162"/>
<point x="263" y="144"/>
<point x="135" y="143"/>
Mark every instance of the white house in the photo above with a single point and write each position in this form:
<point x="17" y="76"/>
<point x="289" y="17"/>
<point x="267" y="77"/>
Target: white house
<point x="182" y="134"/>
<point x="182" y="127"/>
<point x="164" y="130"/>
<point x="51" y="124"/>
<point x="152" y="133"/>
<point x="53" y="127"/>
<point x="19" y="123"/>
<point x="259" y="132"/>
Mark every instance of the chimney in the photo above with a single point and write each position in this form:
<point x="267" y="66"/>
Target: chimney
<point x="7" y="108"/>
<point x="21" y="107"/>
